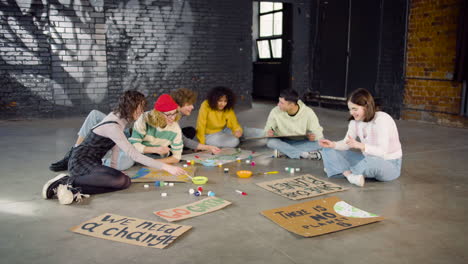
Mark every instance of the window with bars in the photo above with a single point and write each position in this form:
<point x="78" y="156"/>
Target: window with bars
<point x="269" y="41"/>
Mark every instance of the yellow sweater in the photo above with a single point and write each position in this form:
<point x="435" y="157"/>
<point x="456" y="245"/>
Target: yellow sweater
<point x="211" y="121"/>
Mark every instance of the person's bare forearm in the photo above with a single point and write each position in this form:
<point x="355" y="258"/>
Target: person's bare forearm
<point x="169" y="160"/>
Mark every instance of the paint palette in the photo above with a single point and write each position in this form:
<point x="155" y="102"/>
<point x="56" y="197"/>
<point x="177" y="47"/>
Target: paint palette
<point x="200" y="180"/>
<point x="209" y="163"/>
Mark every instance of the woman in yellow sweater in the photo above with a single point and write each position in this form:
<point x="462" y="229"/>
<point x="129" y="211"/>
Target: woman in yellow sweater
<point x="217" y="123"/>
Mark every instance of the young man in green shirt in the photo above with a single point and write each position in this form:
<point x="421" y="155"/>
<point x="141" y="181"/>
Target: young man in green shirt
<point x="291" y="117"/>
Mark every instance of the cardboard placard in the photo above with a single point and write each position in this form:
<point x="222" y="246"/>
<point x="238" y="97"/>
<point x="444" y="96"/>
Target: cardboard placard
<point x="320" y="217"/>
<point x="225" y="156"/>
<point x="131" y="230"/>
<point x="151" y="175"/>
<point x="204" y="206"/>
<point x="300" y="187"/>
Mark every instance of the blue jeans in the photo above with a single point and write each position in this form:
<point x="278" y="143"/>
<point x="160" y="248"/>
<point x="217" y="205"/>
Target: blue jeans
<point x="95" y="117"/>
<point x="338" y="161"/>
<point x="225" y="138"/>
<point x="291" y="147"/>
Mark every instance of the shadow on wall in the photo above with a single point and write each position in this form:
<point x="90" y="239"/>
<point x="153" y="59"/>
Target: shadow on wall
<point x="60" y="57"/>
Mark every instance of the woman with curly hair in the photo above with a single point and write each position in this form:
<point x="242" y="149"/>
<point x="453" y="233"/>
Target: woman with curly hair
<point x="157" y="134"/>
<point x="87" y="174"/>
<point x="217" y="123"/>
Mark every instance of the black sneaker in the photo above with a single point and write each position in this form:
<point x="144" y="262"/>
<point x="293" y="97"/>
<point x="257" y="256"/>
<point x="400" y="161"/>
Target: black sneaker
<point x="61" y="165"/>
<point x="314" y="155"/>
<point x="50" y="188"/>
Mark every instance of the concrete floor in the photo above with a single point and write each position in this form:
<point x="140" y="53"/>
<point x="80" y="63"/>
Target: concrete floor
<point x="426" y="209"/>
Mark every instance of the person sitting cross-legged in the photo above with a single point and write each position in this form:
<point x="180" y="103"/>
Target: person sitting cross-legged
<point x="217" y="123"/>
<point x="185" y="98"/>
<point x="377" y="155"/>
<point x="291" y="117"/>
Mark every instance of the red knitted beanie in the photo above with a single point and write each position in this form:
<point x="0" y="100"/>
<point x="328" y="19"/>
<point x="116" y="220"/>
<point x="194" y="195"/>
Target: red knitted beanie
<point x="165" y="103"/>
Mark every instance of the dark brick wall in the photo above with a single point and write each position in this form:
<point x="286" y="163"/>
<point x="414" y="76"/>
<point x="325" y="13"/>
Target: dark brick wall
<point x="390" y="74"/>
<point x="66" y="59"/>
<point x="390" y="46"/>
<point x="300" y="63"/>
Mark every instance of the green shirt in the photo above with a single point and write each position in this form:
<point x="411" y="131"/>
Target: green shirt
<point x="303" y="122"/>
<point x="146" y="135"/>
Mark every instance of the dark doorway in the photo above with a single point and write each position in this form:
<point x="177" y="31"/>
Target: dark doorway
<point x="348" y="46"/>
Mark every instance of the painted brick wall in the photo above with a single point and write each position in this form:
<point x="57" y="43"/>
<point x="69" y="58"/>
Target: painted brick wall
<point x="25" y="60"/>
<point x="67" y="57"/>
<point x="166" y="45"/>
<point x="78" y="56"/>
<point x="430" y="94"/>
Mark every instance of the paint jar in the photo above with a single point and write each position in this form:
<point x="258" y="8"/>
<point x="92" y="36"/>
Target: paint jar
<point x="244" y="173"/>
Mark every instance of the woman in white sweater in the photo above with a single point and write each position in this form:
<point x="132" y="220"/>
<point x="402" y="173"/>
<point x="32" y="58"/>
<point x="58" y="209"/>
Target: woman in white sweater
<point x="378" y="154"/>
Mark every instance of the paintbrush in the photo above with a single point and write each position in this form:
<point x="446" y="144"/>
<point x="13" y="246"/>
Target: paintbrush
<point x="186" y="174"/>
<point x="268" y="172"/>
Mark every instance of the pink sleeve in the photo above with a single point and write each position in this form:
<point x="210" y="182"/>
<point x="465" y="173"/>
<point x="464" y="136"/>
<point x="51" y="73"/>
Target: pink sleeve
<point x="341" y="145"/>
<point x="379" y="144"/>
<point x="115" y="132"/>
<point x="115" y="156"/>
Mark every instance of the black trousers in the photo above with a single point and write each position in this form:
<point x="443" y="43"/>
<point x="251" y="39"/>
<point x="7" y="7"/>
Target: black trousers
<point x="189" y="132"/>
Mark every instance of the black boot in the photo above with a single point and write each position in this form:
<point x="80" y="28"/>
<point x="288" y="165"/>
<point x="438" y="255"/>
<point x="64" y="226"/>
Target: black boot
<point x="62" y="164"/>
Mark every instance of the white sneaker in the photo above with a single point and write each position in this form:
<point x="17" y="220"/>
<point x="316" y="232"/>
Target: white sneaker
<point x="356" y="179"/>
<point x="49" y="190"/>
<point x="67" y="194"/>
<point x="277" y="154"/>
<point x="314" y="155"/>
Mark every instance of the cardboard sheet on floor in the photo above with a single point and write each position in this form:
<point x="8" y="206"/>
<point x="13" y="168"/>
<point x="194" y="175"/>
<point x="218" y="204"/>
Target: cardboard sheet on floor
<point x="201" y="207"/>
<point x="320" y="217"/>
<point x="131" y="230"/>
<point x="225" y="156"/>
<point x="300" y="187"/>
<point x="151" y="175"/>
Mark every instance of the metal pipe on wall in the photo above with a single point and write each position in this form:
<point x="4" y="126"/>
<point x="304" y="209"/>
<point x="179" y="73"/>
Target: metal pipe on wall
<point x="464" y="101"/>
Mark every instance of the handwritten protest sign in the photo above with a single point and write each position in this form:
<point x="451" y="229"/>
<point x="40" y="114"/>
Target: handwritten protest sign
<point x="204" y="206"/>
<point x="300" y="187"/>
<point x="131" y="230"/>
<point x="152" y="175"/>
<point x="320" y="217"/>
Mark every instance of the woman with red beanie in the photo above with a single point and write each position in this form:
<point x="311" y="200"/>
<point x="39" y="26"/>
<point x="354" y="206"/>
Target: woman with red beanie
<point x="157" y="134"/>
<point x="87" y="174"/>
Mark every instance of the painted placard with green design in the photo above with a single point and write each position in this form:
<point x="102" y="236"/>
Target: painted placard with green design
<point x="320" y="217"/>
